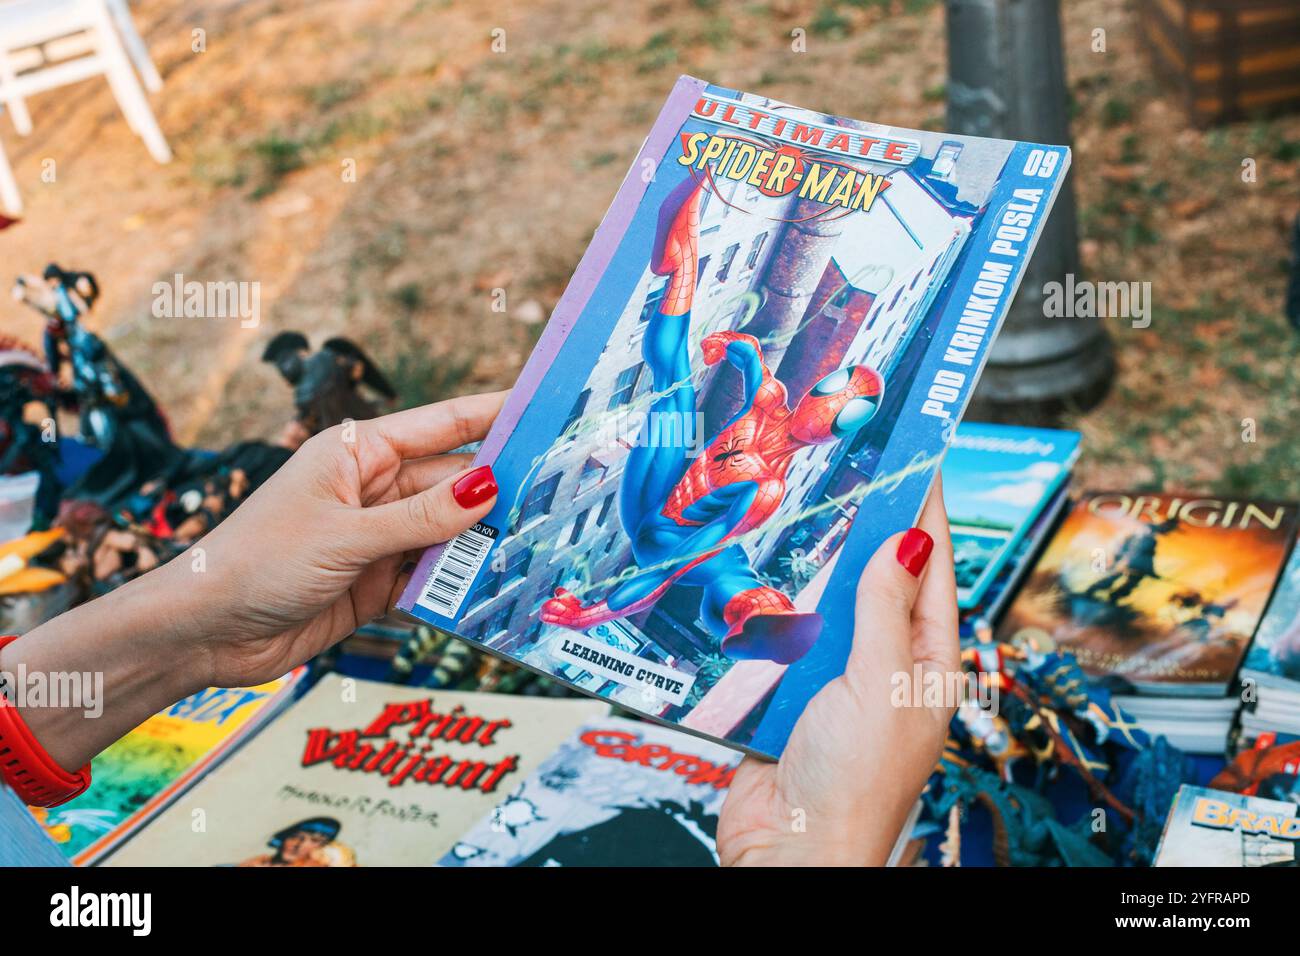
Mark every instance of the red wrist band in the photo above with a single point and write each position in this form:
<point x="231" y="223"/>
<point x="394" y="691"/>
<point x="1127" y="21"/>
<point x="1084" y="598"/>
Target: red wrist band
<point x="27" y="768"/>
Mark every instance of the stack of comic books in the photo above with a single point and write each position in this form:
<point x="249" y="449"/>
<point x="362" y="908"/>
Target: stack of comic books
<point x="359" y="773"/>
<point x="1216" y="828"/>
<point x="1004" y="486"/>
<point x="1158" y="596"/>
<point x="1271" y="672"/>
<point x="138" y="776"/>
<point x="746" y="388"/>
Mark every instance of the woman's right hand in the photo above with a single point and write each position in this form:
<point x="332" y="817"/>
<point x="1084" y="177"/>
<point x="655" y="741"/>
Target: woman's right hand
<point x="858" y="757"/>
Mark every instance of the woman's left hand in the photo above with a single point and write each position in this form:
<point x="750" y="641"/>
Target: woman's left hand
<point x="311" y="555"/>
<point x="318" y="550"/>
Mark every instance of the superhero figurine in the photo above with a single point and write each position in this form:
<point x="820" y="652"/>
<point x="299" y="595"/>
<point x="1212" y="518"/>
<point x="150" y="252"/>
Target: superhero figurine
<point x="685" y="516"/>
<point x="25" y="379"/>
<point x="117" y="415"/>
<point x="325" y="383"/>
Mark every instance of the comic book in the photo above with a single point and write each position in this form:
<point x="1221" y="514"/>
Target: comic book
<point x="1159" y="593"/>
<point x="997" y="479"/>
<point x="618" y="793"/>
<point x="1273" y="660"/>
<point x="359" y="773"/>
<point x="1024" y="555"/>
<point x="24" y="842"/>
<point x="747" y="386"/>
<point x="136" y="777"/>
<point x="1215" y="828"/>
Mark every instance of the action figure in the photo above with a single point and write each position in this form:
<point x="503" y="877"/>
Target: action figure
<point x="684" y="515"/>
<point x="1262" y="768"/>
<point x="118" y="416"/>
<point x="24" y="379"/>
<point x="325" y="383"/>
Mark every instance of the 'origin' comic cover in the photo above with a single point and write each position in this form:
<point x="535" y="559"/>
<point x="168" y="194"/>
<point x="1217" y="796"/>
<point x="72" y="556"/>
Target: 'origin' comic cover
<point x="747" y="386"/>
<point x="1158" y="593"/>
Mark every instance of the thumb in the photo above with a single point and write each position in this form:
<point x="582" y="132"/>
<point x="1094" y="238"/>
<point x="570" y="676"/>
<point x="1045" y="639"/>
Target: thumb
<point x="431" y="516"/>
<point x="887" y="592"/>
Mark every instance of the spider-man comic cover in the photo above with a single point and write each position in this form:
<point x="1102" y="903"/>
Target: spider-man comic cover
<point x="748" y="384"/>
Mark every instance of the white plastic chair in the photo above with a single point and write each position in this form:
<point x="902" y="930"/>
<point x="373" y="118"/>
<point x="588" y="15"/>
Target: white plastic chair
<point x="11" y="201"/>
<point x="45" y="44"/>
<point x="135" y="47"/>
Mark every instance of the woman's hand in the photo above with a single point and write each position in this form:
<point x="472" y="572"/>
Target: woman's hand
<point x="319" y="549"/>
<point x="857" y="760"/>
<point x="311" y="555"/>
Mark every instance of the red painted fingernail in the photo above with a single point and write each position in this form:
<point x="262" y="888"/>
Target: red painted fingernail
<point x="475" y="487"/>
<point x="914" y="550"/>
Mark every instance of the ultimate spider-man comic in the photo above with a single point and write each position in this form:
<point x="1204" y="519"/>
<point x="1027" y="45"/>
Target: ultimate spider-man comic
<point x="747" y="386"/>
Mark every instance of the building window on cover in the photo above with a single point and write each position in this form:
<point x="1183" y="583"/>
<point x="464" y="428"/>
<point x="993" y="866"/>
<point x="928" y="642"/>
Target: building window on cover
<point x="537" y="502"/>
<point x="534" y="632"/>
<point x="652" y="302"/>
<point x="516" y="567"/>
<point x="727" y="258"/>
<point x="497" y="621"/>
<point x="579" y="406"/>
<point x="755" y="250"/>
<point x="592" y="474"/>
<point x="579" y="523"/>
<point x="605" y="509"/>
<point x="625" y="386"/>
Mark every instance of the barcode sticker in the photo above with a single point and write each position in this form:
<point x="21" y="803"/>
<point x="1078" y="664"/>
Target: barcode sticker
<point x="454" y="571"/>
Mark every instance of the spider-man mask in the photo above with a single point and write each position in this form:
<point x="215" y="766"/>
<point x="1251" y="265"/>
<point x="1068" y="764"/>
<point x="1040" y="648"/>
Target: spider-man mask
<point x="838" y="405"/>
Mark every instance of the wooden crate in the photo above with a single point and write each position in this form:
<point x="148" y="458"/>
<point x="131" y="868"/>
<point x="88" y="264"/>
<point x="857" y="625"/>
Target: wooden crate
<point x="1229" y="59"/>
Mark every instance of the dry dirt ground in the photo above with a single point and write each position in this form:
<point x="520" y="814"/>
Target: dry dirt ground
<point x="480" y="170"/>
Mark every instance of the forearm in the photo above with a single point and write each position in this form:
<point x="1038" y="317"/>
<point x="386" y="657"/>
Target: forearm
<point x="131" y="654"/>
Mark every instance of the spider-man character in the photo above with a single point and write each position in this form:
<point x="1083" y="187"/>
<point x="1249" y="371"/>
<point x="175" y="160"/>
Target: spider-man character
<point x="684" y="514"/>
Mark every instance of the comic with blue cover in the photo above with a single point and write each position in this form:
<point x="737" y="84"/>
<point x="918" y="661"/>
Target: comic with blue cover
<point x="996" y="480"/>
<point x="747" y="386"/>
<point x="1274" y="655"/>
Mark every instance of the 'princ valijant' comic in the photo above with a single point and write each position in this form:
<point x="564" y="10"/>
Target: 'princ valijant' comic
<point x="747" y="386"/>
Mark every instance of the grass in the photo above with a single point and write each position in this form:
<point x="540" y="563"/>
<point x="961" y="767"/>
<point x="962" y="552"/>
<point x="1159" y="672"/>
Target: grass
<point x="277" y="156"/>
<point x="419" y="376"/>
